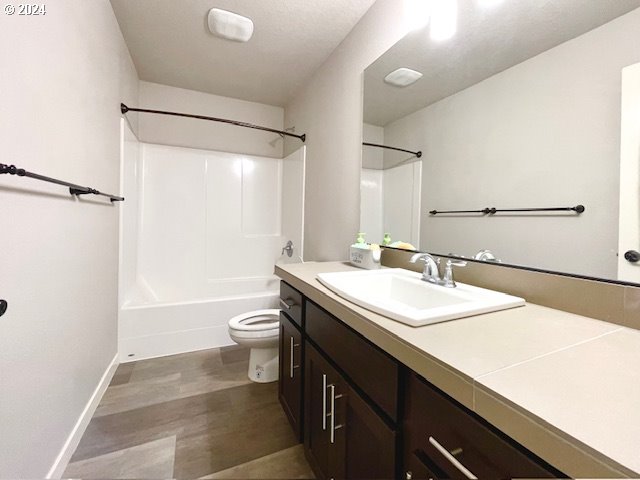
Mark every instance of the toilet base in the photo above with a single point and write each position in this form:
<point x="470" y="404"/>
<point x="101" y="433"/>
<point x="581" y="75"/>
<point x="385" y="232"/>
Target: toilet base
<point x="263" y="365"/>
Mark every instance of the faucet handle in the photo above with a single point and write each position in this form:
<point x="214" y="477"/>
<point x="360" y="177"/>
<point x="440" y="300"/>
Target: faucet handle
<point x="460" y="263"/>
<point x="448" y="281"/>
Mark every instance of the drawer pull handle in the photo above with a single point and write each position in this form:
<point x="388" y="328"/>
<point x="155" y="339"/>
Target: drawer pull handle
<point x="452" y="459"/>
<point x="324" y="401"/>
<point x="286" y="305"/>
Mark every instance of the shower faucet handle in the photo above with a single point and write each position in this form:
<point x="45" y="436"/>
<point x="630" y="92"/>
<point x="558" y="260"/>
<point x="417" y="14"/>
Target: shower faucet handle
<point x="288" y="248"/>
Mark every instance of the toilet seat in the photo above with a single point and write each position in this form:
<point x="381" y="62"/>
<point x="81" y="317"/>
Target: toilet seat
<point x="257" y="322"/>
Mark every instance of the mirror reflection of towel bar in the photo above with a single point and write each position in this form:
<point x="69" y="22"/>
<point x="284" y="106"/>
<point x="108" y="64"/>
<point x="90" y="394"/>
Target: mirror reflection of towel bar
<point x="490" y="211"/>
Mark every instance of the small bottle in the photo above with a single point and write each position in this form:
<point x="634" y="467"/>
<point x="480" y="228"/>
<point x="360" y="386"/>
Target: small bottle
<point x="360" y="239"/>
<point x="387" y="239"/>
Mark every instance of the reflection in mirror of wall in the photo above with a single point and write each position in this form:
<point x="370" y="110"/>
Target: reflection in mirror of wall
<point x="390" y="191"/>
<point x="521" y="108"/>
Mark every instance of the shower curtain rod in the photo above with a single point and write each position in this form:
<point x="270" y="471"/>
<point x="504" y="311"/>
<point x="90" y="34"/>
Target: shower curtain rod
<point x="124" y="109"/>
<point x="417" y="154"/>
<point x="73" y="188"/>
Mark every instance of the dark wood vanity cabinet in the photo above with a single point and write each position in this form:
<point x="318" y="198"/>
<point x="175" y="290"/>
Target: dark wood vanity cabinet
<point x="344" y="436"/>
<point x="442" y="439"/>
<point x="363" y="415"/>
<point x="291" y="371"/>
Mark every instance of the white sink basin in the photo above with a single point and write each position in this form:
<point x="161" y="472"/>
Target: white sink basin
<point x="403" y="296"/>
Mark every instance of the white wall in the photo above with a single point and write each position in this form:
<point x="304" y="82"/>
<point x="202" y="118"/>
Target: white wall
<point x="372" y="157"/>
<point x="329" y="110"/>
<point x="187" y="132"/>
<point x="62" y="79"/>
<point x="543" y="133"/>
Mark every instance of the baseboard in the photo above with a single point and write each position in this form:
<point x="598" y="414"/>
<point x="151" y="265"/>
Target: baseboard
<point x="60" y="465"/>
<point x="172" y="343"/>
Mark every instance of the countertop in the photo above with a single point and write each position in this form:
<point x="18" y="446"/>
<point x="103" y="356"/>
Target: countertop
<point x="567" y="387"/>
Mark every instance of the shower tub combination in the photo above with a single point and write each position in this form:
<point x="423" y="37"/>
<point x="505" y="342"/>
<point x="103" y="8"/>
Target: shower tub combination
<point x="200" y="234"/>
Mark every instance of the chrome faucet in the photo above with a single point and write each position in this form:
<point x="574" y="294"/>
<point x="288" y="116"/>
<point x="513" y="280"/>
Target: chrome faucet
<point x="430" y="273"/>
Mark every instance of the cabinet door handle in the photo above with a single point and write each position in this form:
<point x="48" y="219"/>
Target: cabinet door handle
<point x="291" y="365"/>
<point x="324" y="401"/>
<point x="445" y="453"/>
<point x="285" y="305"/>
<point x="332" y="435"/>
<point x="333" y="427"/>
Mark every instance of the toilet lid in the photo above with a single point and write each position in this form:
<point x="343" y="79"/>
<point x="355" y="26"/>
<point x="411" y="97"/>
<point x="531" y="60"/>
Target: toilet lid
<point x="258" y="320"/>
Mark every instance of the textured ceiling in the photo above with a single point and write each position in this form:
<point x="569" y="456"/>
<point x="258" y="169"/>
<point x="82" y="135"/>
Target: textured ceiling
<point x="488" y="41"/>
<point x="171" y="44"/>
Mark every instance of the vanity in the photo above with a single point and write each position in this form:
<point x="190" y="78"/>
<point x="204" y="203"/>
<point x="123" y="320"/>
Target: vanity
<point x="524" y="392"/>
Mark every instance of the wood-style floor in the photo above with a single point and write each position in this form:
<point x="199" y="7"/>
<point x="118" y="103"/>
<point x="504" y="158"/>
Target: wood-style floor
<point x="195" y="415"/>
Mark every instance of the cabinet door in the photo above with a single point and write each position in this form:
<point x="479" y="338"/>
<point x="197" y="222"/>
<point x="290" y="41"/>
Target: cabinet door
<point x="344" y="436"/>
<point x="290" y="381"/>
<point x="318" y="377"/>
<point x="370" y="445"/>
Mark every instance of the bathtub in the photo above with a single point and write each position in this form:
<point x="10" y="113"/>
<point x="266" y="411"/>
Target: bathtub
<point x="153" y="327"/>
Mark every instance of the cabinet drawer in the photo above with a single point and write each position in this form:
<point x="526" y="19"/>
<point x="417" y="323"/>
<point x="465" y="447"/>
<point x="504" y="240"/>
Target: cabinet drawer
<point x="291" y="302"/>
<point x="439" y="433"/>
<point x="368" y="367"/>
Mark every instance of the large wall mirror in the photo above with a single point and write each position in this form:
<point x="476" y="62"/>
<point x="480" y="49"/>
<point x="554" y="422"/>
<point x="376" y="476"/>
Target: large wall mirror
<point x="521" y="104"/>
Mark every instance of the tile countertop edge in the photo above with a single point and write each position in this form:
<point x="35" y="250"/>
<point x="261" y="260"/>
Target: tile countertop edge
<point x="559" y="448"/>
<point x="548" y="442"/>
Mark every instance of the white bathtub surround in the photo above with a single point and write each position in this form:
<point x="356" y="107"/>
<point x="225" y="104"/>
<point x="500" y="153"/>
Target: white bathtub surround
<point x="201" y="233"/>
<point x="390" y="202"/>
<point x="293" y="174"/>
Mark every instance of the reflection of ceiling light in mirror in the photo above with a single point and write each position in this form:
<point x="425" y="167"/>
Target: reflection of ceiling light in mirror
<point x="402" y="77"/>
<point x="489" y="3"/>
<point x="444" y="19"/>
<point x="416" y="14"/>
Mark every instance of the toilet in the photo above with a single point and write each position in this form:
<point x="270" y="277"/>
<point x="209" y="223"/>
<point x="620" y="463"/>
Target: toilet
<point x="259" y="330"/>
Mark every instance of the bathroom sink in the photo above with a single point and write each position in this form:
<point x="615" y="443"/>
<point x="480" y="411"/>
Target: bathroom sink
<point x="403" y="296"/>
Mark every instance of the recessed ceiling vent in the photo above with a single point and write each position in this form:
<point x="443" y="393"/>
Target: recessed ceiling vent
<point x="229" y="25"/>
<point x="402" y="77"/>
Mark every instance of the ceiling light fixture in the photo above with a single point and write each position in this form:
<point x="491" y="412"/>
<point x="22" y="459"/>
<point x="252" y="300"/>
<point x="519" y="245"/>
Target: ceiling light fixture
<point x="229" y="25"/>
<point x="402" y="77"/>
<point x="444" y="19"/>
